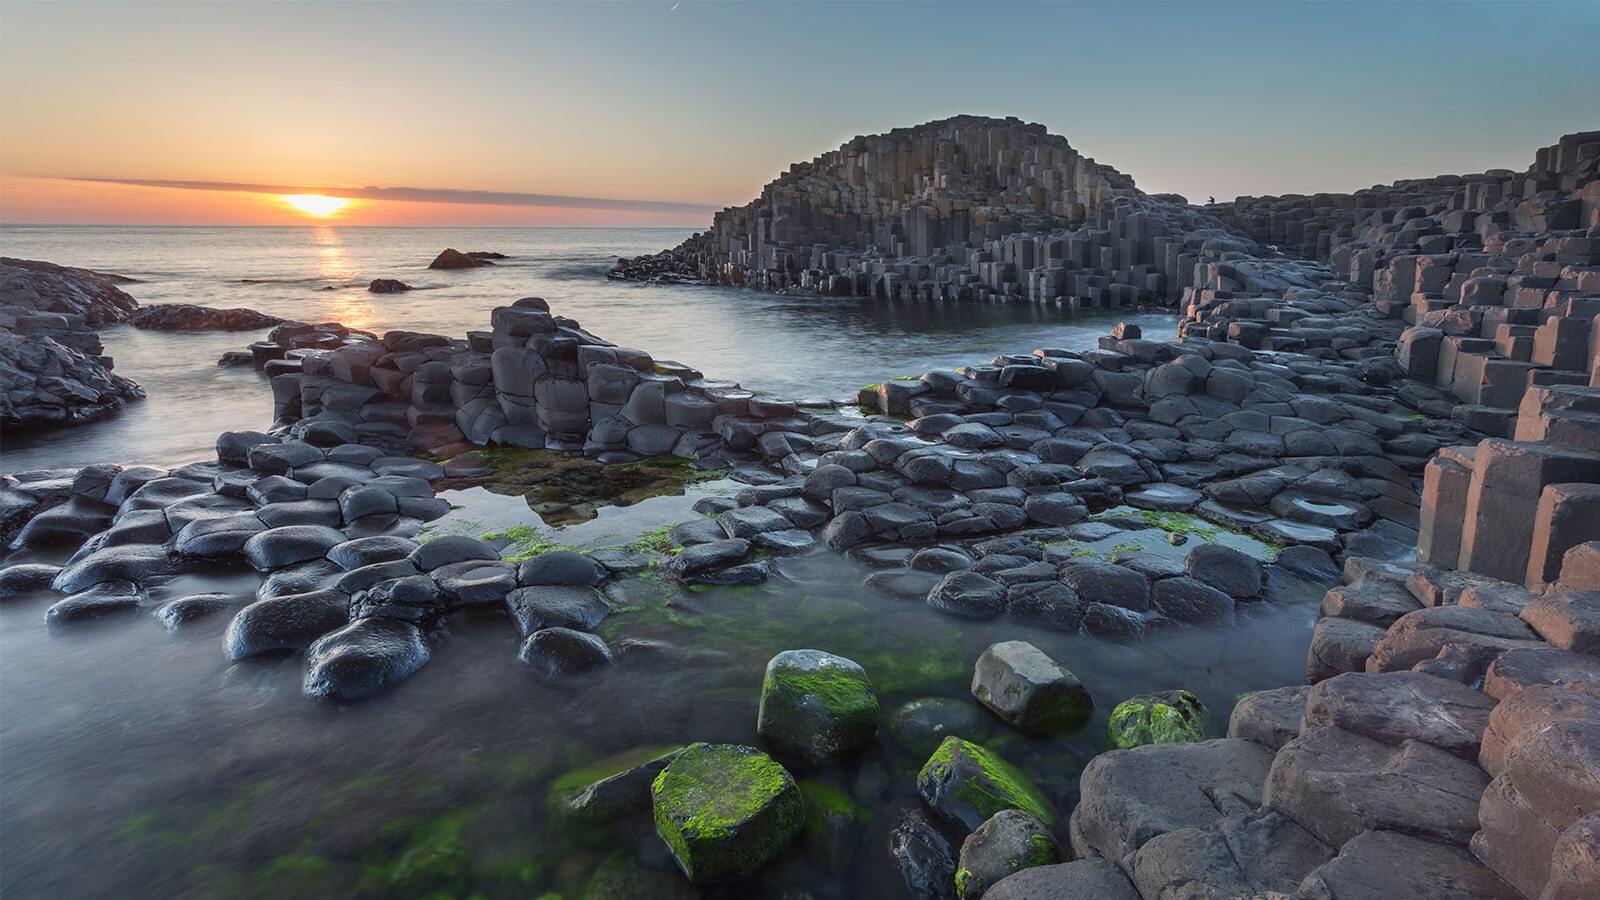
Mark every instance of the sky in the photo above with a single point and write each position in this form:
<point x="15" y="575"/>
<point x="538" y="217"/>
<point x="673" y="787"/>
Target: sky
<point x="658" y="113"/>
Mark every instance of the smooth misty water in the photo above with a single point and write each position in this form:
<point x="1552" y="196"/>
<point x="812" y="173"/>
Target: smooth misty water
<point x="137" y="763"/>
<point x="790" y="346"/>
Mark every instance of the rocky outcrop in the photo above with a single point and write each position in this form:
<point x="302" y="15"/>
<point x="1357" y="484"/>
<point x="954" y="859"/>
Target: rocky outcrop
<point x="455" y="259"/>
<point x="388" y="286"/>
<point x="190" y="317"/>
<point x="966" y="208"/>
<point x="43" y="382"/>
<point x="47" y="287"/>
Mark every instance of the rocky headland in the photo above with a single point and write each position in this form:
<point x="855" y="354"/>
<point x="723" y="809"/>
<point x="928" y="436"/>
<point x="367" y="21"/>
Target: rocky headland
<point x="1397" y="391"/>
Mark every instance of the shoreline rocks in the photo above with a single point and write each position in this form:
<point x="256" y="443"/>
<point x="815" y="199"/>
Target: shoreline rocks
<point x="49" y="288"/>
<point x="190" y="317"/>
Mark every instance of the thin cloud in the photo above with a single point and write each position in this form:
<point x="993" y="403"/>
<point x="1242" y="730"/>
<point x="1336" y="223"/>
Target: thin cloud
<point x="418" y="195"/>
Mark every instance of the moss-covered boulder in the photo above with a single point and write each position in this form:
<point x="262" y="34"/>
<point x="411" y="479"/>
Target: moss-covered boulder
<point x="1010" y="841"/>
<point x="1168" y="717"/>
<point x="833" y="825"/>
<point x="966" y="783"/>
<point x="725" y="811"/>
<point x="816" y="707"/>
<point x="610" y="787"/>
<point x="921" y="725"/>
<point x="1028" y="690"/>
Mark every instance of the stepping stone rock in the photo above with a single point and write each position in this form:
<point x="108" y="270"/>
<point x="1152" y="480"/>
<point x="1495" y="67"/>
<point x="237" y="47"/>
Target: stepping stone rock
<point x="1131" y="796"/>
<point x="1010" y="841"/>
<point x="368" y="550"/>
<point x="1226" y="569"/>
<point x="1340" y="645"/>
<point x="365" y="657"/>
<point x="1094" y="878"/>
<point x="104" y="599"/>
<point x="749" y="521"/>
<point x="1258" y="854"/>
<point x="816" y="707"/>
<point x="921" y="725"/>
<point x="1381" y="865"/>
<point x="1395" y="707"/>
<point x="1569" y="621"/>
<point x="966" y="783"/>
<point x="452" y="549"/>
<point x="561" y="567"/>
<point x="279" y="547"/>
<point x="1187" y="600"/>
<point x="1048" y="604"/>
<point x="711" y="555"/>
<point x="178" y="613"/>
<point x="556" y="652"/>
<point x="1270" y="718"/>
<point x="24" y="577"/>
<point x="1372" y="601"/>
<point x="223" y="537"/>
<point x="1108" y="583"/>
<point x="905" y="583"/>
<point x="131" y="562"/>
<point x="285" y="624"/>
<point x="1337" y="784"/>
<point x="1168" y="717"/>
<point x="1028" y="690"/>
<point x="475" y="583"/>
<point x="725" y="811"/>
<point x="969" y="595"/>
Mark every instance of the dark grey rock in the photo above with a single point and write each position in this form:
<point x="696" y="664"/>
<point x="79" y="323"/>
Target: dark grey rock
<point x="556" y="652"/>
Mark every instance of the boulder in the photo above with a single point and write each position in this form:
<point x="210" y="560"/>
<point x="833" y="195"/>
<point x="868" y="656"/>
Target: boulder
<point x="1094" y="878"/>
<point x="969" y="595"/>
<point x="1168" y="717"/>
<point x="1379" y="865"/>
<point x="1226" y="569"/>
<point x="455" y="259"/>
<point x="556" y="652"/>
<point x="926" y="862"/>
<point x="921" y="725"/>
<point x="725" y="811"/>
<point x="816" y="707"/>
<point x="1270" y="718"/>
<point x="609" y="788"/>
<point x="285" y="624"/>
<point x="966" y="783"/>
<point x="1011" y="840"/>
<point x="561" y="567"/>
<point x="1028" y="690"/>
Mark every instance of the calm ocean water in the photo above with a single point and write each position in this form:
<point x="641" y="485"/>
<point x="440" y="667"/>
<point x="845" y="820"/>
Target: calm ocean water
<point x="790" y="346"/>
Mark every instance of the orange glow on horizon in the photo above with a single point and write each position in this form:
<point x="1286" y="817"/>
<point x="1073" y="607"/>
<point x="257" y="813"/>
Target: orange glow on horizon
<point x="34" y="200"/>
<point x="317" y="205"/>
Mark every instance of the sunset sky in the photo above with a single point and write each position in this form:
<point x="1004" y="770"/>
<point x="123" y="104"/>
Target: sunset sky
<point x="658" y="113"/>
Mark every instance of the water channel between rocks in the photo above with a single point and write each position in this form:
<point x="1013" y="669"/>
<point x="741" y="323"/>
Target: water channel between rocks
<point x="181" y="775"/>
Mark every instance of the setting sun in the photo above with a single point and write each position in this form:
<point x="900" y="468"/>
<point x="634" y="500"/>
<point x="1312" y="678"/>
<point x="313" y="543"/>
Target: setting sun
<point x="316" y="204"/>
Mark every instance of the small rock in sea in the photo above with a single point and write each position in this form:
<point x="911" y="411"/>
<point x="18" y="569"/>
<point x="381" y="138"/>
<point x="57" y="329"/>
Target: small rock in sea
<point x="455" y="259"/>
<point x="363" y="658"/>
<point x="1169" y="717"/>
<point x="725" y="811"/>
<point x="1010" y="841"/>
<point x="1029" y="690"/>
<point x="237" y="358"/>
<point x="554" y="652"/>
<point x="610" y="787"/>
<point x="816" y="706"/>
<point x="388" y="286"/>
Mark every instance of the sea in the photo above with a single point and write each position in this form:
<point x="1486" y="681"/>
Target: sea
<point x="782" y="345"/>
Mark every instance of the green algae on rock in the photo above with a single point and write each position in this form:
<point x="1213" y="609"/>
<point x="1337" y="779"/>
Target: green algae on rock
<point x="816" y="706"/>
<point x="966" y="783"/>
<point x="620" y="877"/>
<point x="725" y="811"/>
<point x="1168" y="717"/>
<point x="1008" y="842"/>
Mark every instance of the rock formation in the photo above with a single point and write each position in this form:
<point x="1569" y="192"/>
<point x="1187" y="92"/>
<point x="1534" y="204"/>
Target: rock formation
<point x="190" y="317"/>
<point x="966" y="208"/>
<point x="47" y="287"/>
<point x="455" y="259"/>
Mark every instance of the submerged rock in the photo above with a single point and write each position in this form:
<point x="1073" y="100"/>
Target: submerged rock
<point x="921" y="725"/>
<point x="966" y="783"/>
<point x="816" y="707"/>
<point x="725" y="811"/>
<point x="105" y="599"/>
<point x="554" y="652"/>
<point x="1169" y="717"/>
<point x="175" y="614"/>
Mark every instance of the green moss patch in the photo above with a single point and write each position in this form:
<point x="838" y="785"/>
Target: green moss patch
<point x="1170" y="717"/>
